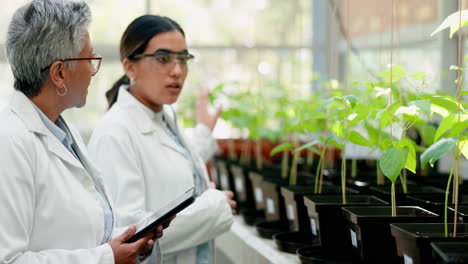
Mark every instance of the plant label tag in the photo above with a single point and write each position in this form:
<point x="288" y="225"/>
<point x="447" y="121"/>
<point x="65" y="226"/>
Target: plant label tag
<point x="258" y="195"/>
<point x="407" y="259"/>
<point x="270" y="204"/>
<point x="239" y="184"/>
<point x="313" y="226"/>
<point x="224" y="182"/>
<point x="353" y="238"/>
<point x="290" y="212"/>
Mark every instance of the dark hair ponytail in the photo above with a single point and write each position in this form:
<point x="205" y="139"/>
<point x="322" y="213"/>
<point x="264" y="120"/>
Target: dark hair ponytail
<point x="135" y="40"/>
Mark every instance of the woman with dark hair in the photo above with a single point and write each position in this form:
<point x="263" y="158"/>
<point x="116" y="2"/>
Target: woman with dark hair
<point x="54" y="208"/>
<point x="144" y="158"/>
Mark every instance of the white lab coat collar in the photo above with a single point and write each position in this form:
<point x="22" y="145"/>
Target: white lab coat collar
<point x="144" y="121"/>
<point x="24" y="108"/>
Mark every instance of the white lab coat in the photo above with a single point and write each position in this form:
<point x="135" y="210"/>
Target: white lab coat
<point x="145" y="169"/>
<point x="48" y="209"/>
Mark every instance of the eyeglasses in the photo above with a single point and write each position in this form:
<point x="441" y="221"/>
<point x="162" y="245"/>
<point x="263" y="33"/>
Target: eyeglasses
<point x="167" y="58"/>
<point x="95" y="63"/>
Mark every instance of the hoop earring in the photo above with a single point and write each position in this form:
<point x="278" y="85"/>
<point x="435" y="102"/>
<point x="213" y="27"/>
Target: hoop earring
<point x="132" y="82"/>
<point x="64" y="93"/>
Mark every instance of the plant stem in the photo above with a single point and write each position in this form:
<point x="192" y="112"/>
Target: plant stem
<point x="393" y="200"/>
<point x="317" y="172"/>
<point x="310" y="160"/>
<point x="403" y="182"/>
<point x="322" y="167"/>
<point x="353" y="168"/>
<point x="343" y="174"/>
<point x="293" y="173"/>
<point x="284" y="164"/>
<point x="455" y="193"/>
<point x="258" y="154"/>
<point x="447" y="192"/>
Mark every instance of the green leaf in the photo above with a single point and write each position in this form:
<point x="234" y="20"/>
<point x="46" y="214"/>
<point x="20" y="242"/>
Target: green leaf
<point x="451" y="122"/>
<point x="424" y="105"/>
<point x="398" y="72"/>
<point x="453" y="21"/>
<point x="351" y="99"/>
<point x="420" y="76"/>
<point x="324" y="104"/>
<point x="463" y="146"/>
<point x="307" y="145"/>
<point x="393" y="161"/>
<point x="437" y="150"/>
<point x="445" y="102"/>
<point x="384" y="115"/>
<point x="335" y="144"/>
<point x="281" y="148"/>
<point x="411" y="160"/>
<point x="358" y="139"/>
<point x="427" y="132"/>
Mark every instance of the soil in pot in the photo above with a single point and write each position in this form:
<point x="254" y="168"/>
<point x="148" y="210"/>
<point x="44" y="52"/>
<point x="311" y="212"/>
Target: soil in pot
<point x="413" y="239"/>
<point x="325" y="218"/>
<point x="433" y="202"/>
<point x="384" y="192"/>
<point x="369" y="230"/>
<point x="450" y="252"/>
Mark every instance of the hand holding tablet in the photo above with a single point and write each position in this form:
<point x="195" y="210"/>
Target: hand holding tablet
<point x="160" y="217"/>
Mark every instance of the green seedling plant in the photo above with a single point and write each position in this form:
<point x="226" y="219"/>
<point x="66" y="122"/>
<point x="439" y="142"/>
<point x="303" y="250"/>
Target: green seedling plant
<point x="451" y="136"/>
<point x="341" y="118"/>
<point x="295" y="122"/>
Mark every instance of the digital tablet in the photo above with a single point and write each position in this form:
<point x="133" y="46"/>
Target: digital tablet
<point x="158" y="218"/>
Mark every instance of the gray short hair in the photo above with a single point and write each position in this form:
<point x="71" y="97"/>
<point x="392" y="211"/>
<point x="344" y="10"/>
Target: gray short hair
<point x="41" y="32"/>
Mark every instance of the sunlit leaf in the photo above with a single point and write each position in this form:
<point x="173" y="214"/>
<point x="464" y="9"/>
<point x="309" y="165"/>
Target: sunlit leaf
<point x="463" y="146"/>
<point x="449" y="104"/>
<point x="393" y="160"/>
<point x="307" y="145"/>
<point x="397" y="72"/>
<point x="281" y="148"/>
<point x="358" y="139"/>
<point x="437" y="150"/>
<point x="453" y="22"/>
<point x="450" y="122"/>
<point x="420" y="76"/>
<point x="439" y="110"/>
<point x="379" y="91"/>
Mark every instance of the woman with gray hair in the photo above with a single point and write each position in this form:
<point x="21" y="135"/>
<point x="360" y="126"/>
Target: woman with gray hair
<point x="53" y="205"/>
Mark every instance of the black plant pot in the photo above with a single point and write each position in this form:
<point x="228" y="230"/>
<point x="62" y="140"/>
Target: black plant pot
<point x="369" y="230"/>
<point x="413" y="239"/>
<point x="433" y="202"/>
<point x="462" y="213"/>
<point x="290" y="242"/>
<point x="450" y="252"/>
<point x="296" y="212"/>
<point x="225" y="180"/>
<point x="328" y="226"/>
<point x="384" y="192"/>
<point x="267" y="229"/>
<point x="242" y="186"/>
